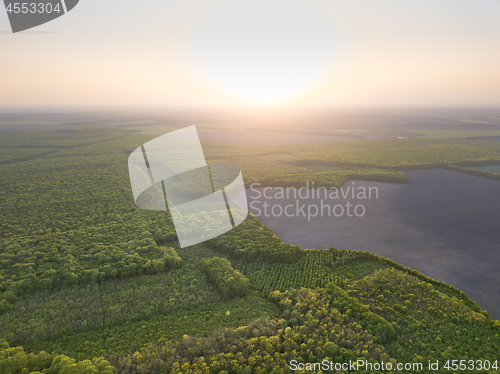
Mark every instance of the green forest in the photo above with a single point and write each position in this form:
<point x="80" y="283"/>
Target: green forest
<point x="91" y="284"/>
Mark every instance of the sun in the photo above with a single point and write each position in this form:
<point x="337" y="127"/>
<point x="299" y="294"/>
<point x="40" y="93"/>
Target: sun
<point x="261" y="51"/>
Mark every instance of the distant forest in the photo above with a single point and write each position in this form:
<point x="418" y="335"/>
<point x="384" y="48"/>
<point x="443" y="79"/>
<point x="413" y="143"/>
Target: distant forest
<point x="91" y="284"/>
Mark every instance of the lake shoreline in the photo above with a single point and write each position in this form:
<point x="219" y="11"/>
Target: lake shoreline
<point x="442" y="224"/>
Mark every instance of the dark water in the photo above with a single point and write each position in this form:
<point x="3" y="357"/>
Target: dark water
<point x="444" y="224"/>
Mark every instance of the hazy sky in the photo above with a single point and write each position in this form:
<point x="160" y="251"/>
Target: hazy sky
<point x="232" y="52"/>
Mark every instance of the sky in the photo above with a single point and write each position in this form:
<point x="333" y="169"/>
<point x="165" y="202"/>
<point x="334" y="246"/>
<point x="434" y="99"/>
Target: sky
<point x="285" y="53"/>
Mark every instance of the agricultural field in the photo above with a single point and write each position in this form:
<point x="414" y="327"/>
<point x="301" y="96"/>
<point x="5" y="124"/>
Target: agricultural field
<point x="91" y="284"/>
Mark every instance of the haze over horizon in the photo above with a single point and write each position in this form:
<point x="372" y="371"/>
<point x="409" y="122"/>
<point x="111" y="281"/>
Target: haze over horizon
<point x="238" y="54"/>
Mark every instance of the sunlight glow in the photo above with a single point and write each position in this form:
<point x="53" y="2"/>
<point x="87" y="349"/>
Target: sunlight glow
<point x="264" y="52"/>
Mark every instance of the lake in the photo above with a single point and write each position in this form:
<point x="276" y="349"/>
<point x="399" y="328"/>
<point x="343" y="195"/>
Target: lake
<point x="490" y="168"/>
<point x="443" y="223"/>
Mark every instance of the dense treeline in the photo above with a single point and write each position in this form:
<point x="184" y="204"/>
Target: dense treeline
<point x="122" y="315"/>
<point x="427" y="321"/>
<point x="328" y="324"/>
<point x="376" y="325"/>
<point x="69" y="218"/>
<point x="84" y="273"/>
<point x="475" y="172"/>
<point x="129" y="337"/>
<point x="77" y="309"/>
<point x="252" y="240"/>
<point x="27" y="271"/>
<point x="354" y="171"/>
<point x="330" y="179"/>
<point x="230" y="282"/>
<point x="441" y="286"/>
<point x="311" y="330"/>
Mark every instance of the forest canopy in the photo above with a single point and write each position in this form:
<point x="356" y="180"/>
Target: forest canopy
<point x="91" y="284"/>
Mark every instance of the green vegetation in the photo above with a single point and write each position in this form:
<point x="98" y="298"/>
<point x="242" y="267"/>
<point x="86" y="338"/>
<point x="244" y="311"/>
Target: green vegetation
<point x="158" y="129"/>
<point x="152" y="129"/>
<point x="475" y="172"/>
<point x="253" y="240"/>
<point x="332" y="164"/>
<point x="317" y="268"/>
<point x="16" y="360"/>
<point x="91" y="284"/>
<point x="76" y="136"/>
<point x="229" y="282"/>
<point x="456" y="134"/>
<point x="491" y="168"/>
<point x="8" y="156"/>
<point x="373" y="160"/>
<point x="418" y="309"/>
<point x="133" y="335"/>
<point x="331" y="133"/>
<point x="331" y="323"/>
<point x="122" y="315"/>
<point x="23" y="122"/>
<point x="323" y="168"/>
